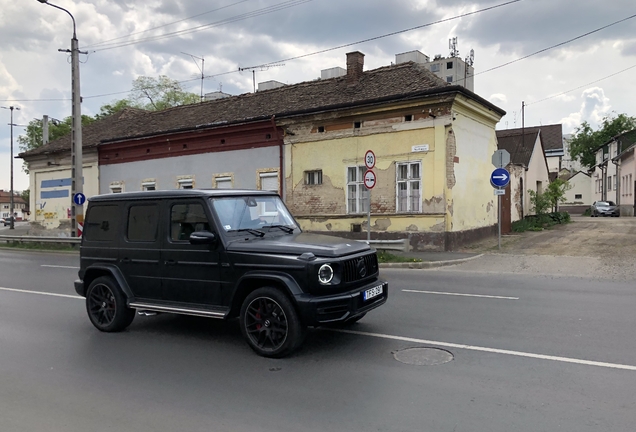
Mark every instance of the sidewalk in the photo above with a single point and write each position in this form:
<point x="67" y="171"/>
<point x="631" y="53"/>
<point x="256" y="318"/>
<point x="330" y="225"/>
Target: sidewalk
<point x="431" y="259"/>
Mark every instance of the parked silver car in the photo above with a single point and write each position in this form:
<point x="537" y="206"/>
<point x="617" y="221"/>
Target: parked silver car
<point x="605" y="208"/>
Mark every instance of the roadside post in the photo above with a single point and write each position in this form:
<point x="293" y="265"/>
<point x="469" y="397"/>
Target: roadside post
<point x="369" y="183"/>
<point x="499" y="179"/>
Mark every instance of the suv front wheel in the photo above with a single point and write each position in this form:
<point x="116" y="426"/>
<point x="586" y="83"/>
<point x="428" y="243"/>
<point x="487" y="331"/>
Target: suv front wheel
<point x="270" y="323"/>
<point x="106" y="305"/>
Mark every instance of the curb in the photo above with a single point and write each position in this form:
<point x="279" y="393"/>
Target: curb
<point x="428" y="264"/>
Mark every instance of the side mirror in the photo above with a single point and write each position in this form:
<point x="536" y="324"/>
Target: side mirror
<point x="202" y="237"/>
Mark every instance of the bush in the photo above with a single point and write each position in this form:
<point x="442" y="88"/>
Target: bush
<point x="587" y="212"/>
<point x="540" y="222"/>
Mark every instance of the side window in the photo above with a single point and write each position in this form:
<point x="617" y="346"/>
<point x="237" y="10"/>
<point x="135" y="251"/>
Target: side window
<point x="102" y="223"/>
<point x="143" y="221"/>
<point x="186" y="219"/>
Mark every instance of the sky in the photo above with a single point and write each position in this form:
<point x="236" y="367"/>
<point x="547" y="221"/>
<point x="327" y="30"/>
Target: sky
<point x="582" y="80"/>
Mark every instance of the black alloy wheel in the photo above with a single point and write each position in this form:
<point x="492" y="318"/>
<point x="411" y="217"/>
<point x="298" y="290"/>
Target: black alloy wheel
<point x="270" y="323"/>
<point x="106" y="306"/>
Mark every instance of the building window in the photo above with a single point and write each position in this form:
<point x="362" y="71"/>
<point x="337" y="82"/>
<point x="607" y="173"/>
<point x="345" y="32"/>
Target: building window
<point x="578" y="196"/>
<point x="435" y="68"/>
<point x="409" y="186"/>
<point x="357" y="194"/>
<point x="224" y="182"/>
<point x="268" y="181"/>
<point x="449" y="65"/>
<point x="608" y="183"/>
<point x="356" y="125"/>
<point x="149" y="185"/>
<point x="449" y="79"/>
<point x="313" y="177"/>
<point x="186" y="183"/>
<point x="408" y="118"/>
<point x="116" y="187"/>
<point x="321" y="129"/>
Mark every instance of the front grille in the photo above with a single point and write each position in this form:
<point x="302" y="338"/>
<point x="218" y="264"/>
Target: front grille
<point x="360" y="268"/>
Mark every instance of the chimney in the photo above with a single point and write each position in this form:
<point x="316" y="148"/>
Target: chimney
<point x="355" y="63"/>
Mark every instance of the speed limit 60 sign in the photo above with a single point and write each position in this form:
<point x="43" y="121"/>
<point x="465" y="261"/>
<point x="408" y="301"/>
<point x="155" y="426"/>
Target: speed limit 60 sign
<point x="369" y="179"/>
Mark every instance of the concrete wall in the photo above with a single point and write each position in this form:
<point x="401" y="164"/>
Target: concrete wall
<point x="243" y="166"/>
<point x="51" y="188"/>
<point x="471" y="203"/>
<point x="553" y="163"/>
<point x="581" y="184"/>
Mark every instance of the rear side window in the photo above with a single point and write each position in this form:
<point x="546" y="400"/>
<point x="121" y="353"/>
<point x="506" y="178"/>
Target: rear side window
<point x="102" y="223"/>
<point x="143" y="221"/>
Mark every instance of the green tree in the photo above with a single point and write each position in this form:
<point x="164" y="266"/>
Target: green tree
<point x="155" y="94"/>
<point x="112" y="108"/>
<point x="32" y="139"/>
<point x="25" y="194"/>
<point x="555" y="193"/>
<point x="586" y="140"/>
<point x="539" y="202"/>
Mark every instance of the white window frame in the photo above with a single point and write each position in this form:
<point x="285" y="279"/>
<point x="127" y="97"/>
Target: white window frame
<point x="268" y="174"/>
<point x="357" y="204"/>
<point x="413" y="202"/>
<point x="224" y="179"/>
<point x="116" y="187"/>
<point x="149" y="185"/>
<point x="184" y="182"/>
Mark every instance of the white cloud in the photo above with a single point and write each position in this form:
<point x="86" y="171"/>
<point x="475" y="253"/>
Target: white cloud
<point x="594" y="106"/>
<point x="498" y="98"/>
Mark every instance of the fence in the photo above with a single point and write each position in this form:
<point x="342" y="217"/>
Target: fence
<point x="39" y="239"/>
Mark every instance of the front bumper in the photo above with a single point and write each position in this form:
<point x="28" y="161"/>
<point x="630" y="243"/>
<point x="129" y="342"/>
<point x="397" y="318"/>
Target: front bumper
<point x="608" y="212"/>
<point x="316" y="311"/>
<point x="79" y="288"/>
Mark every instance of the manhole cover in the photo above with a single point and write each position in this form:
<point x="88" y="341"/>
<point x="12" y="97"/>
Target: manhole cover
<point x="423" y="356"/>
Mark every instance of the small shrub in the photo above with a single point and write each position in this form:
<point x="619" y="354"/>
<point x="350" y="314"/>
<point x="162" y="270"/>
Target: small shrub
<point x="386" y="257"/>
<point x="587" y="212"/>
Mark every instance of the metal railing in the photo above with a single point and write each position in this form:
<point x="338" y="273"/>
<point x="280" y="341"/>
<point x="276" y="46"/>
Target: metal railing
<point x="39" y="239"/>
<point x="402" y="245"/>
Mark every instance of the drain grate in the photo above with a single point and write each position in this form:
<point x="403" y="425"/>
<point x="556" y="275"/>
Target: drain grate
<point x="423" y="356"/>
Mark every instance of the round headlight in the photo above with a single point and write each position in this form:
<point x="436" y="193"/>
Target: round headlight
<point x="325" y="274"/>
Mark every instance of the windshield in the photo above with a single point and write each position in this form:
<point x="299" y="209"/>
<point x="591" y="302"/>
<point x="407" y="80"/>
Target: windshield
<point x="605" y="203"/>
<point x="252" y="213"/>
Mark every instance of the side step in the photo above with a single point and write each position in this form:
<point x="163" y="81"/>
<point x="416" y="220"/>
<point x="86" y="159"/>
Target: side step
<point x="149" y="309"/>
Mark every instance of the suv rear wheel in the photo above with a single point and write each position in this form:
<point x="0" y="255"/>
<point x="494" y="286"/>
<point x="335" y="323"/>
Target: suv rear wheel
<point x="106" y="305"/>
<point x="270" y="323"/>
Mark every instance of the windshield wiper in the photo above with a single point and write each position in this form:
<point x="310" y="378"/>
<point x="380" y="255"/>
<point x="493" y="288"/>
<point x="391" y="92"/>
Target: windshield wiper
<point x="251" y="231"/>
<point x="286" y="228"/>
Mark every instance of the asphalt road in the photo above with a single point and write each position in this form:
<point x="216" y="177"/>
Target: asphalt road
<point x="531" y="353"/>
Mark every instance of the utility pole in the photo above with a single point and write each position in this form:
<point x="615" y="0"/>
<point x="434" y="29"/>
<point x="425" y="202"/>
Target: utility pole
<point x="202" y="68"/>
<point x="11" y="205"/>
<point x="77" y="179"/>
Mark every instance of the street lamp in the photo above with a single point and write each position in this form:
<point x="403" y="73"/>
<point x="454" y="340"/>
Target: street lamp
<point x="11" y="197"/>
<point x="77" y="186"/>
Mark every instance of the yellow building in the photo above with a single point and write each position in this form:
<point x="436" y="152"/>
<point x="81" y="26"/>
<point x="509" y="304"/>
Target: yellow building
<point x="432" y="142"/>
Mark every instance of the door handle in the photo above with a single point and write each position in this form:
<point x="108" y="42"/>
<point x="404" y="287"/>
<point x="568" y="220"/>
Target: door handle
<point x="170" y="262"/>
<point x="125" y="260"/>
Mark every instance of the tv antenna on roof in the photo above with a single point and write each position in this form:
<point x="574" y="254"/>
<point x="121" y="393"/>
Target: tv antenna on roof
<point x="261" y="68"/>
<point x="202" y="68"/>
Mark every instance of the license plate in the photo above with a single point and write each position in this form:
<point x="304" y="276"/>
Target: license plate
<point x="373" y="292"/>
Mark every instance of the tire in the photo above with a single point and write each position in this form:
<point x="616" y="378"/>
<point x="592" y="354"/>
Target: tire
<point x="270" y="324"/>
<point x="106" y="306"/>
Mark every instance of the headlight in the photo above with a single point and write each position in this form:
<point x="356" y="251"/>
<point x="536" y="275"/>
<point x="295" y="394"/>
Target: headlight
<point x="325" y="274"/>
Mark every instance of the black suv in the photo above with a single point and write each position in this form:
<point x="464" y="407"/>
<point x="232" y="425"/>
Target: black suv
<point x="221" y="254"/>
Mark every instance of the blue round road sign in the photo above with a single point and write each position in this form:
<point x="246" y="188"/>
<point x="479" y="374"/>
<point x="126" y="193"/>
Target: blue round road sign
<point x="79" y="198"/>
<point x="500" y="177"/>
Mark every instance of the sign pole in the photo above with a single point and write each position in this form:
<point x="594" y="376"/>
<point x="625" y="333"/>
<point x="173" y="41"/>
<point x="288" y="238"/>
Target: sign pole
<point x="369" y="183"/>
<point x="499" y="237"/>
<point x="369" y="218"/>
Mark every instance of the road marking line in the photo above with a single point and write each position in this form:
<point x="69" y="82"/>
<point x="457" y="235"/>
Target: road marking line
<point x="461" y="294"/>
<point x="58" y="266"/>
<point x="41" y="293"/>
<point x="492" y="350"/>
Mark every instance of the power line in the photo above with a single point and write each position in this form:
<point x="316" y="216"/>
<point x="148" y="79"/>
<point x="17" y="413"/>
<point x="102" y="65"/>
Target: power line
<point x="580" y="87"/>
<point x="555" y="46"/>
<point x="164" y="25"/>
<point x="263" y="11"/>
